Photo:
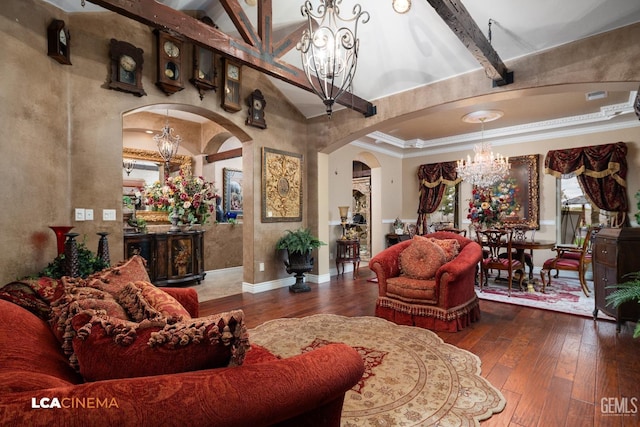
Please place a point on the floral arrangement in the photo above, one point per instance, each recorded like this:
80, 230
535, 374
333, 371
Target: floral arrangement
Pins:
488, 205
192, 198
156, 195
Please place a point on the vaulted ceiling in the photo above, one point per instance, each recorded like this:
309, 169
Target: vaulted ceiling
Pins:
399, 52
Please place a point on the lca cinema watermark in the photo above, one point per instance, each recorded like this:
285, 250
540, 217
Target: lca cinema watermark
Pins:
73, 403
619, 406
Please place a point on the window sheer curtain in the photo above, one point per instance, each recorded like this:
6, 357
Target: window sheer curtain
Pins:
601, 171
434, 179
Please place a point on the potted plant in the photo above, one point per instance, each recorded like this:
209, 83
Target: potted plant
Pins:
398, 226
627, 292
299, 245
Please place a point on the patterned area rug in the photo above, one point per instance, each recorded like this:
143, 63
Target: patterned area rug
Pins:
563, 295
412, 378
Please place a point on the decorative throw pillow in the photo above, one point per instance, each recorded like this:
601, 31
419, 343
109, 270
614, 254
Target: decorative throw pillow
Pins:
421, 259
114, 279
142, 300
36, 295
451, 247
108, 348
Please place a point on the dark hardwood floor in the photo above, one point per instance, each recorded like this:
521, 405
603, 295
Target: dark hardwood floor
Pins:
553, 369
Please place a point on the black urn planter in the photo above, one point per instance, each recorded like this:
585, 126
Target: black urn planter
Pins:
299, 263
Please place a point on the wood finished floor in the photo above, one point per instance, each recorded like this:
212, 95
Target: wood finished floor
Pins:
553, 369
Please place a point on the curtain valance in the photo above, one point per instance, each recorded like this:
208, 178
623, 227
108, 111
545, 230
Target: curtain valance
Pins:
601, 171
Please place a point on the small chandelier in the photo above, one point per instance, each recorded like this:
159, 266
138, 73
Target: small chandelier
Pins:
168, 144
128, 165
486, 169
329, 49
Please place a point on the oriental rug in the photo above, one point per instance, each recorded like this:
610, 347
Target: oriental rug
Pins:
564, 295
412, 378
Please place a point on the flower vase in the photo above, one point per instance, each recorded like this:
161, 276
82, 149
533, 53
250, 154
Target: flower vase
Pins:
174, 218
60, 236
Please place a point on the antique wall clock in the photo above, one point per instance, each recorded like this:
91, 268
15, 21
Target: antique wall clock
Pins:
126, 67
204, 68
59, 42
256, 110
231, 84
170, 78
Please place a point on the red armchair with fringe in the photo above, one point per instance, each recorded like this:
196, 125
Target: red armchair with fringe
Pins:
446, 301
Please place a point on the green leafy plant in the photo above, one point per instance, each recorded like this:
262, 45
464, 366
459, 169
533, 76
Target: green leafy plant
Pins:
300, 241
88, 263
628, 291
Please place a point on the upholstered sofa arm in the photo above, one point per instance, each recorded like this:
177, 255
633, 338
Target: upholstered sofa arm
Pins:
188, 297
303, 390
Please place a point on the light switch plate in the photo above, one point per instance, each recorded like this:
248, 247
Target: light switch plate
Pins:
88, 214
79, 214
108, 214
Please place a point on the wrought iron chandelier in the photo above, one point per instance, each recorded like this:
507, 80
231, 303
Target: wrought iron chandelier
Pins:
329, 49
128, 165
486, 169
168, 144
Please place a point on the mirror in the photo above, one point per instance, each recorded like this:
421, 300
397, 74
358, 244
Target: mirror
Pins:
158, 174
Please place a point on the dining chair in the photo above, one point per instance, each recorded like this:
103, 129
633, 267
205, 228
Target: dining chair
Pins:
571, 258
455, 230
499, 255
522, 232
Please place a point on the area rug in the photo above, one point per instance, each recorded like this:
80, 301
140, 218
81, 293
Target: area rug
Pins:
564, 295
412, 378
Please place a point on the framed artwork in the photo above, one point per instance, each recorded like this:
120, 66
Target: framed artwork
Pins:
281, 186
525, 178
232, 194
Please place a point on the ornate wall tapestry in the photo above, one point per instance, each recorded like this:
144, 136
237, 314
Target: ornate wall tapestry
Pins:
232, 180
281, 186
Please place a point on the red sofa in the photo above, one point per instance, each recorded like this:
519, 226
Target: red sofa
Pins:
35, 377
447, 302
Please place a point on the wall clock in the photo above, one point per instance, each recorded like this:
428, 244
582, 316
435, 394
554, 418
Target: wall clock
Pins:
59, 42
231, 84
126, 67
170, 53
256, 110
204, 68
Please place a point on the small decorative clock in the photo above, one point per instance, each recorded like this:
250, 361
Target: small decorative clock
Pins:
231, 83
256, 104
59, 42
126, 67
204, 68
170, 77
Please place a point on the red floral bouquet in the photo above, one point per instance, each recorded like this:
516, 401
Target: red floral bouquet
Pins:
191, 197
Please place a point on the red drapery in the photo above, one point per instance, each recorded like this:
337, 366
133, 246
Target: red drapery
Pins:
434, 179
601, 171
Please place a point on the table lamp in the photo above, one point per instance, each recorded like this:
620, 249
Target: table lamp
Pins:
344, 212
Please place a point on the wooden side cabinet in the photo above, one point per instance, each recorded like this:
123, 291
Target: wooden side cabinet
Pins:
614, 255
172, 258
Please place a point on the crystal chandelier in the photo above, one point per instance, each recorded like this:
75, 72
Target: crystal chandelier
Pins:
329, 49
486, 169
128, 165
168, 144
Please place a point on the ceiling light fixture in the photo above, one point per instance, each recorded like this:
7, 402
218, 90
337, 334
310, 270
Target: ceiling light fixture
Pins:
401, 6
128, 165
329, 49
168, 144
486, 169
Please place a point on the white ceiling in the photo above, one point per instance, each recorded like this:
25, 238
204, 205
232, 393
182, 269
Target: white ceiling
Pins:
399, 52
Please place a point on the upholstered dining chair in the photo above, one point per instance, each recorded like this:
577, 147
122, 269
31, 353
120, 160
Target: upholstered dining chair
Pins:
522, 232
455, 230
499, 255
571, 258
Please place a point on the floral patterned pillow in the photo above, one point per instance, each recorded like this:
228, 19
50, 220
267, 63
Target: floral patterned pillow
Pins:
421, 259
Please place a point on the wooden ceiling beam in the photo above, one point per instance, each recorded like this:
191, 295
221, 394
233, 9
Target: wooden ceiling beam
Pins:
224, 155
456, 16
249, 51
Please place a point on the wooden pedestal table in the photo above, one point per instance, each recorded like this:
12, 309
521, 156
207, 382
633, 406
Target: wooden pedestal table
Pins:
348, 251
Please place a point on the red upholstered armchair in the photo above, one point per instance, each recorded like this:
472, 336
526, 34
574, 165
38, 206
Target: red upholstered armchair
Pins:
445, 302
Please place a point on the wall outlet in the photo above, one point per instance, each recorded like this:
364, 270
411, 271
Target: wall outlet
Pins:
108, 214
261, 266
79, 214
88, 214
